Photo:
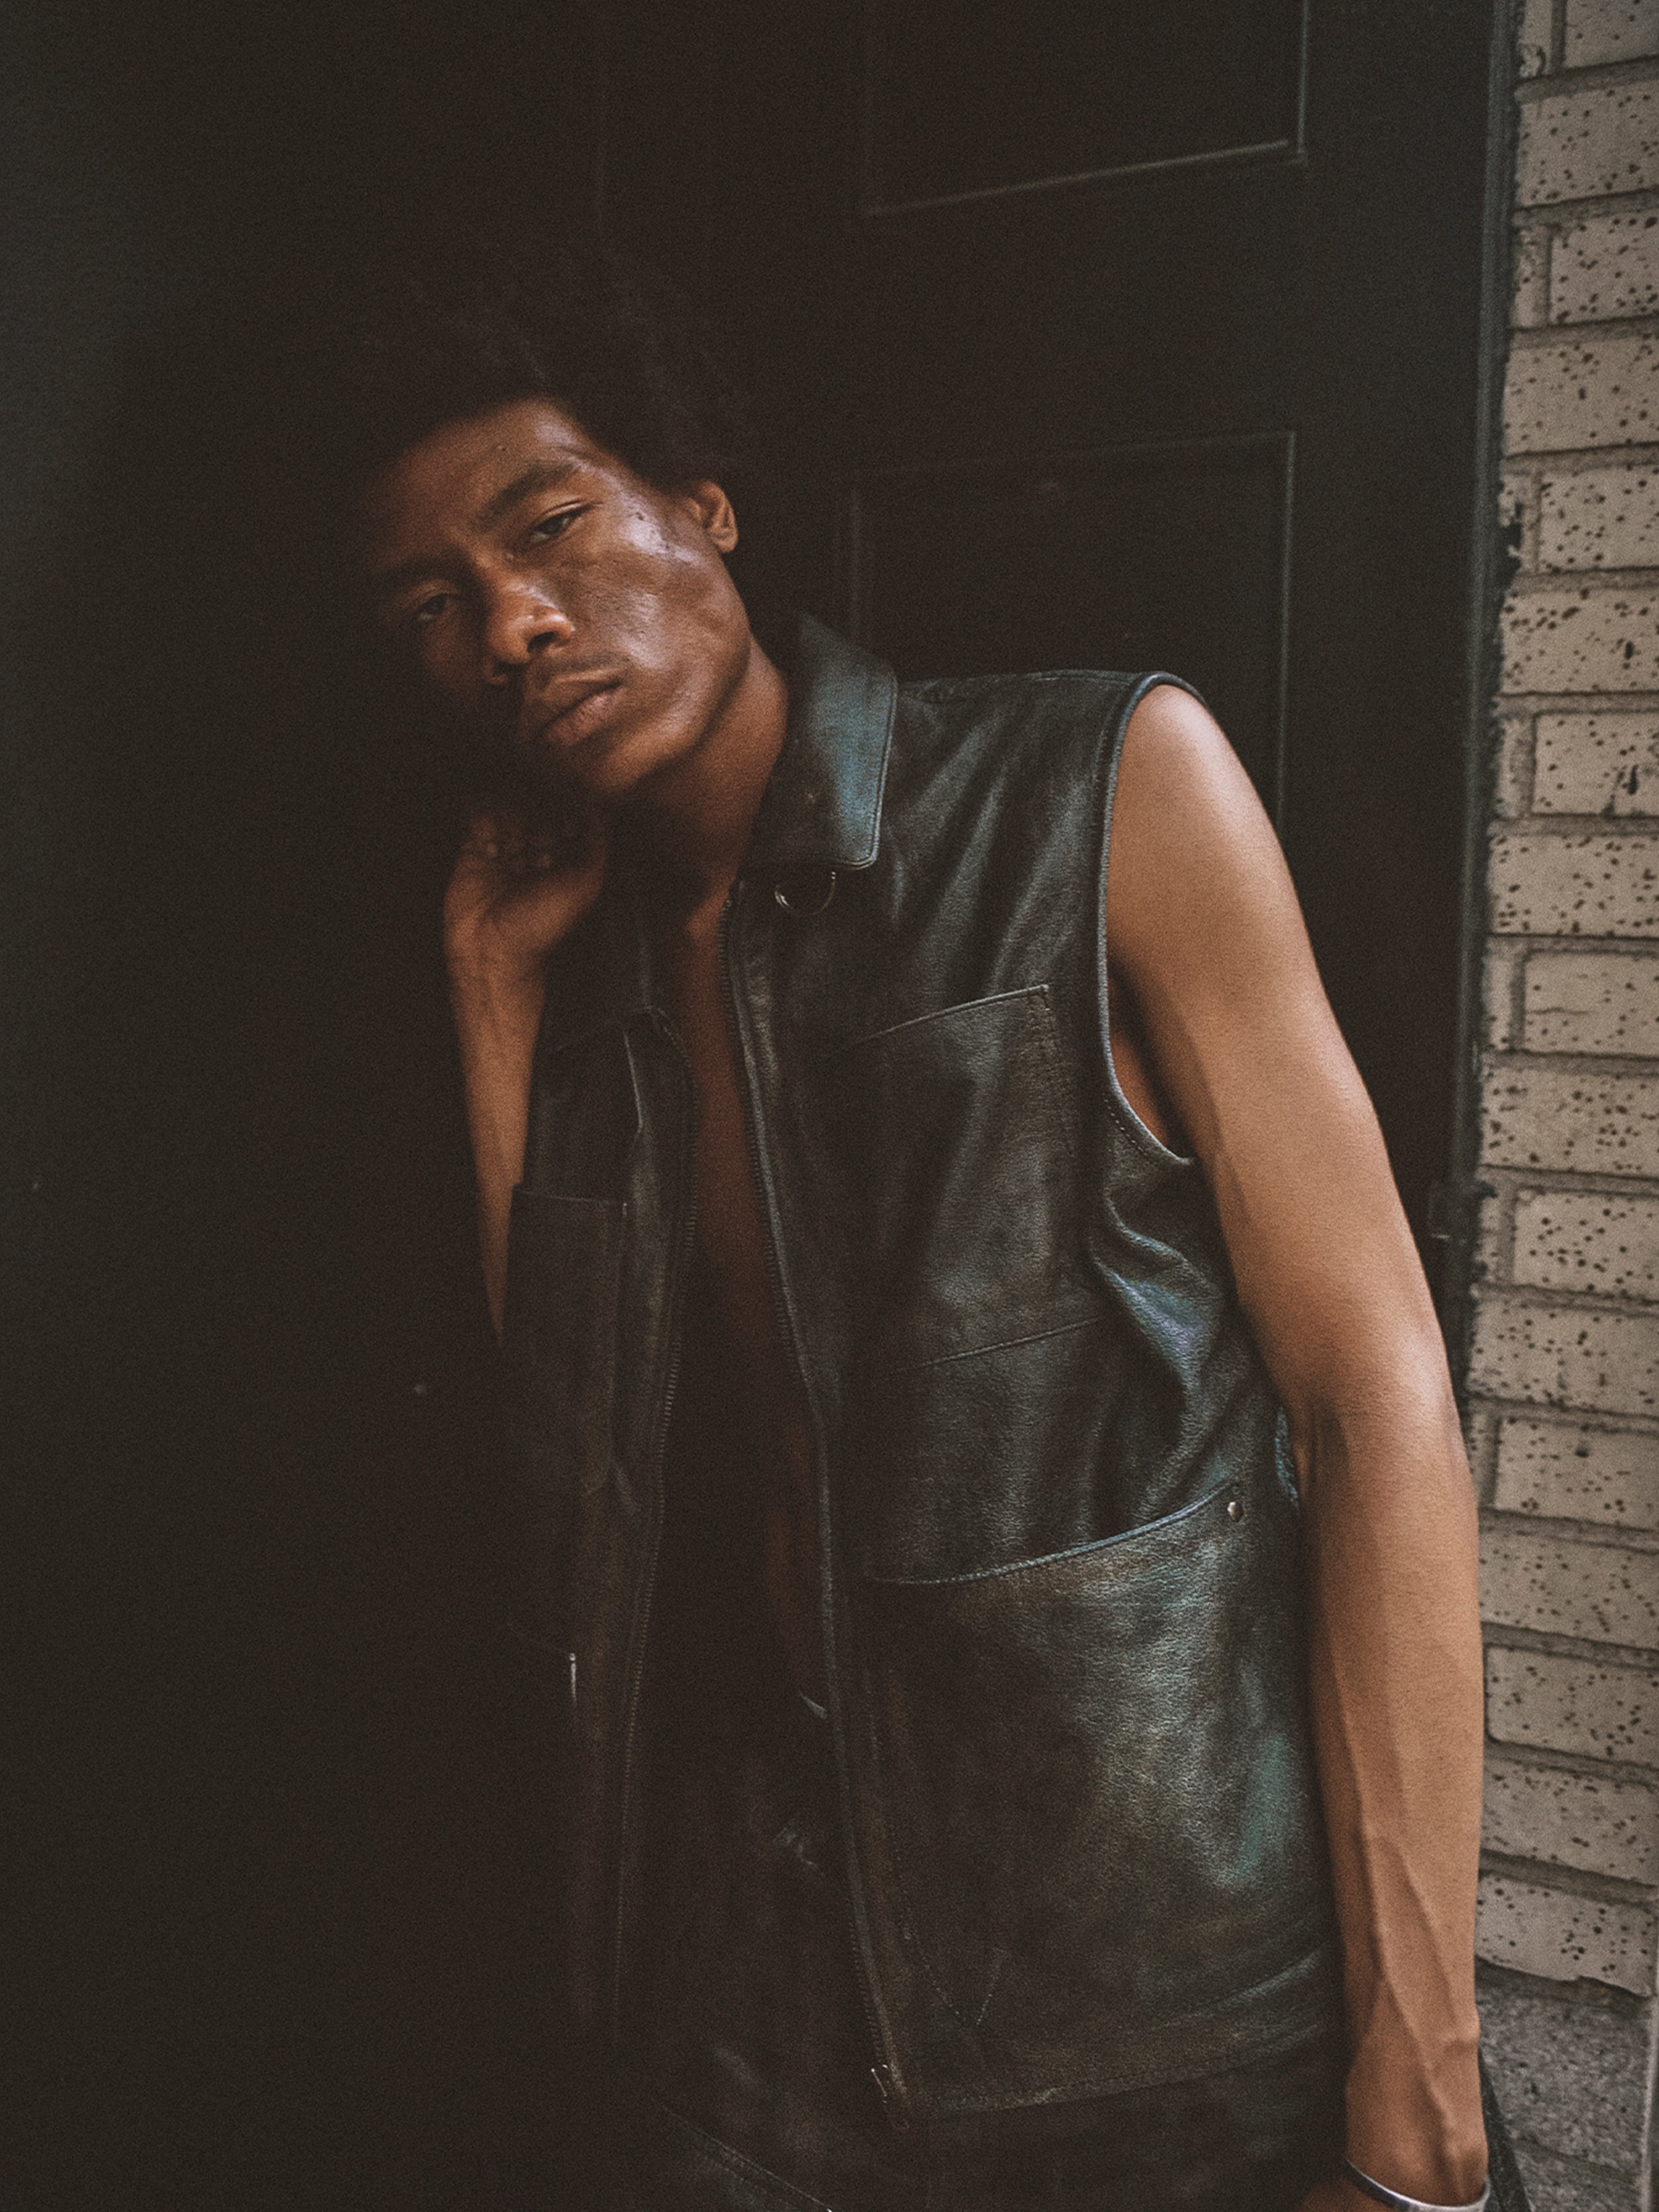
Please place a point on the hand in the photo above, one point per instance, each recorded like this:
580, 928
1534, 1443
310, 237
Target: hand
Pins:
520, 885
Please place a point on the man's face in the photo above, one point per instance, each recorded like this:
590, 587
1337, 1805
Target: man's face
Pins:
577, 616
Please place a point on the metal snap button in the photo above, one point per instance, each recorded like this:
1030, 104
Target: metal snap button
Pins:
1235, 1510
806, 894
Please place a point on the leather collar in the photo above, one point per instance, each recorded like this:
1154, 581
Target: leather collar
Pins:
823, 806
821, 810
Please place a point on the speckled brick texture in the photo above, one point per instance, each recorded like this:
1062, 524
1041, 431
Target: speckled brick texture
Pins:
1599, 31
1581, 392
1573, 883
1564, 1936
1600, 518
1596, 1709
1605, 763
1584, 143
1587, 637
1596, 1823
1539, 1114
1605, 269
1596, 1592
1595, 1241
1563, 1376
1530, 277
1549, 1355
1589, 1002
1563, 1471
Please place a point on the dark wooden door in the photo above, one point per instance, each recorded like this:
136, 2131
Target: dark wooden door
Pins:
1100, 335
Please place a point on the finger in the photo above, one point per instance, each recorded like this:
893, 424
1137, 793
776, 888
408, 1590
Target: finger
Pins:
496, 832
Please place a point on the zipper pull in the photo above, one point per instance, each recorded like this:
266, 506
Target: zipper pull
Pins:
887, 2089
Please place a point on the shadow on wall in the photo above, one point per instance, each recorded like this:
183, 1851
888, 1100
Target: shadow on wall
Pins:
272, 1924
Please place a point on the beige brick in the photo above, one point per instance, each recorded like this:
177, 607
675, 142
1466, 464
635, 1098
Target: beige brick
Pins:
1542, 1115
1576, 145
1569, 1240
1534, 1930
1573, 1474
1593, 639
1503, 961
1600, 1592
1591, 1002
1514, 503
1535, 38
1549, 1355
1589, 1821
1529, 299
1491, 1243
1604, 764
1584, 883
1610, 30
1606, 268
1600, 519
1552, 1704
1582, 392
1512, 766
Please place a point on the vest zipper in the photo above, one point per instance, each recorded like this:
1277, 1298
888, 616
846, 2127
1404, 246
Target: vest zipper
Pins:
648, 1587
883, 2072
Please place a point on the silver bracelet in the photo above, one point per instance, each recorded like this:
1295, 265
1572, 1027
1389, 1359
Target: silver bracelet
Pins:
1392, 2197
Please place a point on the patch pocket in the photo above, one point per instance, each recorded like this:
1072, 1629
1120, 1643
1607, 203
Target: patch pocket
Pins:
559, 1337
1077, 1750
956, 1170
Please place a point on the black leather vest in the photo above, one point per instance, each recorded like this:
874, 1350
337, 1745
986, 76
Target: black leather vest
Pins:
1060, 1561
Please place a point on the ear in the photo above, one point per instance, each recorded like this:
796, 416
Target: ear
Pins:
712, 510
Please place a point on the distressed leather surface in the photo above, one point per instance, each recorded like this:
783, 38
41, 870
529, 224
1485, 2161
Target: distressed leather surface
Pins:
1083, 1842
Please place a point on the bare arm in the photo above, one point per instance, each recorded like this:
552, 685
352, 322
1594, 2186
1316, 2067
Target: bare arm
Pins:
1203, 931
512, 897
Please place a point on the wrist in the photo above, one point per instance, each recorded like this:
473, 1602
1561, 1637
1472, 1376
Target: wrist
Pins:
495, 996
1417, 2127
1361, 2187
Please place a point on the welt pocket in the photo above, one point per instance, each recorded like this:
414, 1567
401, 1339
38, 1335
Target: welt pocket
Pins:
1130, 1551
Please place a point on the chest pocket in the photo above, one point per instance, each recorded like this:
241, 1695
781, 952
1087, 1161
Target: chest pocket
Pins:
957, 1152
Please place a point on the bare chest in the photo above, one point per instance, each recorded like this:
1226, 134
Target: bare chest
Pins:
732, 1235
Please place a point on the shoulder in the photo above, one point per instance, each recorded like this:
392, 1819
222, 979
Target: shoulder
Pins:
1054, 717
1199, 888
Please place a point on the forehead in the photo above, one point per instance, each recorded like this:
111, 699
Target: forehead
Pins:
457, 480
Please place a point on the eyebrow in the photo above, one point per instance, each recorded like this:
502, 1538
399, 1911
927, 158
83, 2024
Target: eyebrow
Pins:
540, 475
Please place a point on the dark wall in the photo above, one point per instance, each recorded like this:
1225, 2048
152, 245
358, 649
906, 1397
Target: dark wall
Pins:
271, 1931
284, 1831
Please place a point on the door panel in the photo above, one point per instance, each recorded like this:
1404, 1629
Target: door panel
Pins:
961, 97
1037, 304
974, 569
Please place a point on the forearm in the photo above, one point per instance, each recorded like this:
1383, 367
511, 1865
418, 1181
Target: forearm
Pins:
1395, 1676
496, 1025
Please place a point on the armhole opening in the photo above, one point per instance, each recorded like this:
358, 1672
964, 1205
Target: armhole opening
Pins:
1148, 1139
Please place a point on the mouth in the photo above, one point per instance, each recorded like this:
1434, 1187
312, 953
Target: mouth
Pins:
574, 711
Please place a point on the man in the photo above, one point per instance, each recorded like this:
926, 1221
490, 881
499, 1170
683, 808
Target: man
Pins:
938, 1169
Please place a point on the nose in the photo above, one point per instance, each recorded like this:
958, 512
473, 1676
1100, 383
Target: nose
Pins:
521, 620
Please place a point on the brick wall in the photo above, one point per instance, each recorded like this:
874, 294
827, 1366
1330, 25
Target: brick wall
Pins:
1564, 1368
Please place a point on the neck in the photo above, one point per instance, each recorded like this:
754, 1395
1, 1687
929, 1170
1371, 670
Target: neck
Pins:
696, 817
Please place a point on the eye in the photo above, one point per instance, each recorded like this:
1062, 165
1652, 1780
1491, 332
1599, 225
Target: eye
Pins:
552, 525
423, 616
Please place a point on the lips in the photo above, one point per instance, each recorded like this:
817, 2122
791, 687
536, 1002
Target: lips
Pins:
572, 709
